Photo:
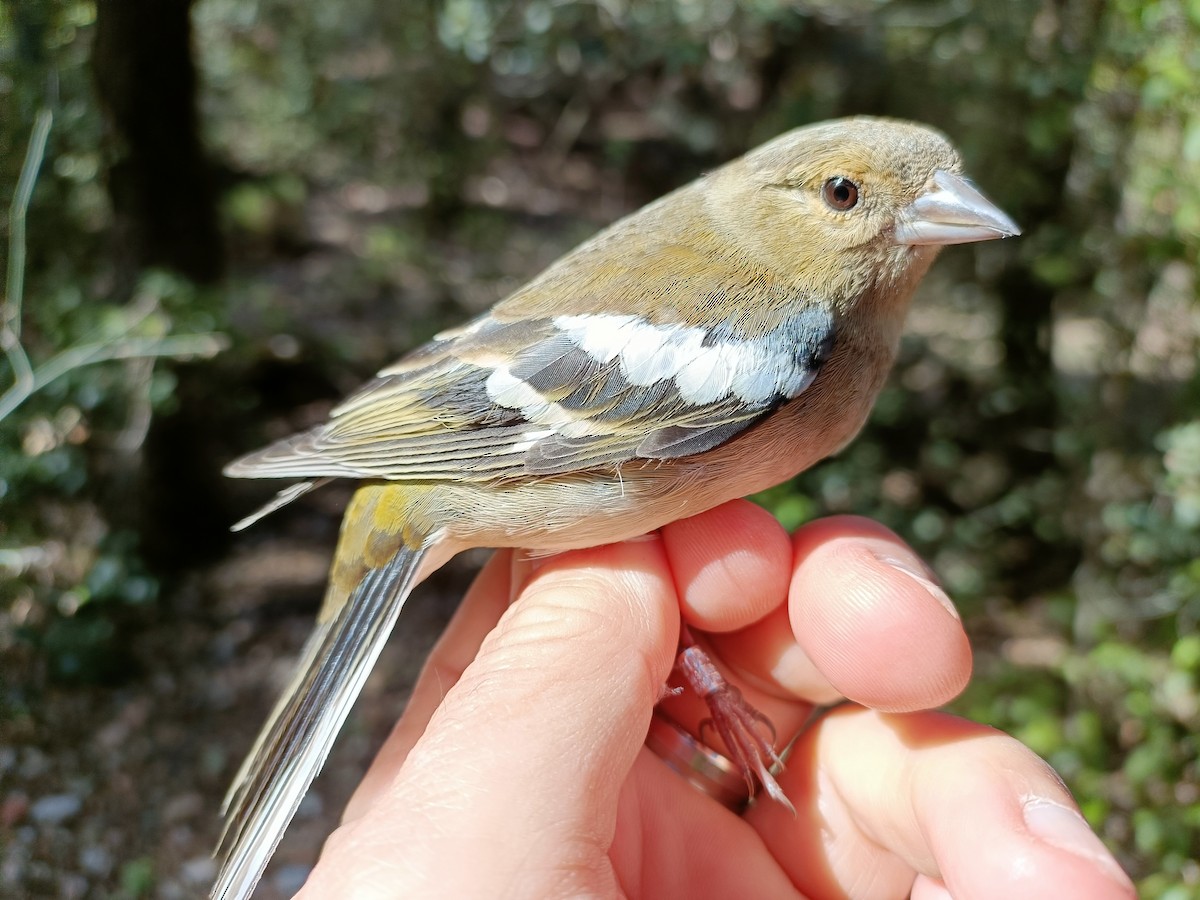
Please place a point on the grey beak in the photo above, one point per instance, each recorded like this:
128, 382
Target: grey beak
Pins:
952, 211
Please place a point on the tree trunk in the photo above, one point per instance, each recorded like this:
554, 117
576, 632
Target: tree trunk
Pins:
159, 179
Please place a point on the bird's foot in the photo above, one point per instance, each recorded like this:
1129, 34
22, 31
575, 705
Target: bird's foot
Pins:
748, 735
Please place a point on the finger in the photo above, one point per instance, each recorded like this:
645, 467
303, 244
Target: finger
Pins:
960, 804
676, 842
872, 620
731, 565
767, 652
539, 732
480, 610
768, 656
864, 619
862, 605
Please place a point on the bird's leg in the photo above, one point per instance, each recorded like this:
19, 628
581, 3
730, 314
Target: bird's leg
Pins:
748, 735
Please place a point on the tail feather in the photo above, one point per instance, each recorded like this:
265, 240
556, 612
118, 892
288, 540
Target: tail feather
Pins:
297, 738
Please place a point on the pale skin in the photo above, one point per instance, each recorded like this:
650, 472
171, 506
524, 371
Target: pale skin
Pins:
518, 769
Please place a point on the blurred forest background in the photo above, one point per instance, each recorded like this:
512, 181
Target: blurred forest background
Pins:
204, 250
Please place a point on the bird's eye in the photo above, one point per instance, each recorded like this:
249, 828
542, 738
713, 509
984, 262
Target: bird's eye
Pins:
840, 193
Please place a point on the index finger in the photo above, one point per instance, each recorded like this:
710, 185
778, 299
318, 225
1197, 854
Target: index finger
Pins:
863, 619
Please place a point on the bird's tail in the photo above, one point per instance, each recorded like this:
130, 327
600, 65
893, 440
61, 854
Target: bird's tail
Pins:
297, 738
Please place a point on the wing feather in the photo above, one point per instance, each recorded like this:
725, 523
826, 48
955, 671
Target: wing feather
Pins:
554, 395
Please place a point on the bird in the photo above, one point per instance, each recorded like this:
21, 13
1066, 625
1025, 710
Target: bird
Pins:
713, 344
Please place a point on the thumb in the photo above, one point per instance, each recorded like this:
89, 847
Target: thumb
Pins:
524, 759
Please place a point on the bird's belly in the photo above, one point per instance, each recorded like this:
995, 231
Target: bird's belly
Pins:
588, 509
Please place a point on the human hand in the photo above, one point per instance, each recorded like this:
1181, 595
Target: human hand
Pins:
519, 767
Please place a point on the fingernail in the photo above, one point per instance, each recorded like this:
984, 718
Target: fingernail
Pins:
1068, 830
921, 575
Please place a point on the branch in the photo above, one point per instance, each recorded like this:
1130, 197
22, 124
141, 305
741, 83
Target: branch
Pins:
26, 379
175, 346
10, 328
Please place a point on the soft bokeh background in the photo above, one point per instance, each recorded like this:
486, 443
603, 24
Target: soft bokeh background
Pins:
211, 256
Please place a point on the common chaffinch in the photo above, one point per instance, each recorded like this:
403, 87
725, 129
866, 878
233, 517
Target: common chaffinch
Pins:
711, 345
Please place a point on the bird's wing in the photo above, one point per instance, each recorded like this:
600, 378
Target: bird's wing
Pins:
555, 394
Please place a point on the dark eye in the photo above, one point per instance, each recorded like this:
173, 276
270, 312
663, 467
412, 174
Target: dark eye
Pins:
840, 193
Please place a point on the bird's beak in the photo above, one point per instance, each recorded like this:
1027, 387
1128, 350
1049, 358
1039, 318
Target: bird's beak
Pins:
952, 211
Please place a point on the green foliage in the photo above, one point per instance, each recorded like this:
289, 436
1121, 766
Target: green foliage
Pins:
392, 168
137, 877
77, 380
1119, 723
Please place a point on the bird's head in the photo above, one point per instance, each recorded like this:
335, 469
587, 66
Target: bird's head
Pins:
843, 207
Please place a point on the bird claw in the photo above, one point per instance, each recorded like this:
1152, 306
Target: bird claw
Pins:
667, 692
748, 735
